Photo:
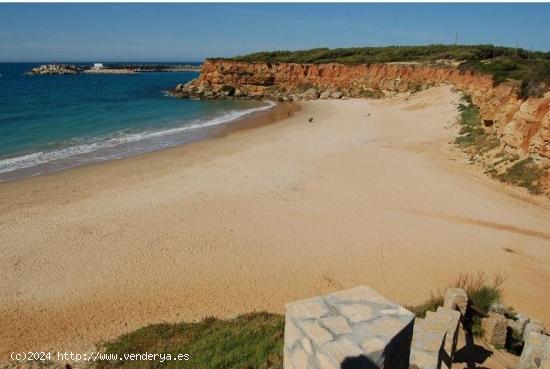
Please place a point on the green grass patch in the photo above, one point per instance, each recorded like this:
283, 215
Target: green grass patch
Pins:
471, 134
431, 304
252, 341
524, 173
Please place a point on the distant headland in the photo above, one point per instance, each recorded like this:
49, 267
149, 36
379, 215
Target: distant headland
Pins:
119, 68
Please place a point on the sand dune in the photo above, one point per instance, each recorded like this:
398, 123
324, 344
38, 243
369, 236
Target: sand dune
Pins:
262, 217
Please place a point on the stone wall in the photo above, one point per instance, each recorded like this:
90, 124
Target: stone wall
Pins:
358, 328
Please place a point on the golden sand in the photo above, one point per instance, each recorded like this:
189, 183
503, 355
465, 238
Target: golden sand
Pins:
261, 217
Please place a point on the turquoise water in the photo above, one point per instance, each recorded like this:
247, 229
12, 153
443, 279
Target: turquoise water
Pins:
50, 123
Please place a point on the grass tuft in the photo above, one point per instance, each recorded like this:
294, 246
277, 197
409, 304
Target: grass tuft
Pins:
481, 294
431, 304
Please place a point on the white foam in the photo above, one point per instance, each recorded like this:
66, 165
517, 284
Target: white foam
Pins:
37, 158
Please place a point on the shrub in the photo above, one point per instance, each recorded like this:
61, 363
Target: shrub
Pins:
481, 295
360, 55
524, 173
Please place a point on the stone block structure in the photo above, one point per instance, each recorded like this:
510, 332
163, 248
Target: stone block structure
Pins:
434, 339
518, 325
456, 299
536, 352
427, 344
495, 329
451, 321
355, 328
533, 326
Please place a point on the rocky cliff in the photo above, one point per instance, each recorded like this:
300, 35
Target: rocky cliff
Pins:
523, 125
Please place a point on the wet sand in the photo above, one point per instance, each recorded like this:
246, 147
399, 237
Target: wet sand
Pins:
260, 217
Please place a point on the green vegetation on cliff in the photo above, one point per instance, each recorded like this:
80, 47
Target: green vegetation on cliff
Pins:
525, 173
386, 54
477, 141
532, 68
472, 136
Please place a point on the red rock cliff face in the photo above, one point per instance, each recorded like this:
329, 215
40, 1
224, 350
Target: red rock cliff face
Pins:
523, 125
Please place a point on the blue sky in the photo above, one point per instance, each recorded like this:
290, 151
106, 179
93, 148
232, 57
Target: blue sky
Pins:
191, 32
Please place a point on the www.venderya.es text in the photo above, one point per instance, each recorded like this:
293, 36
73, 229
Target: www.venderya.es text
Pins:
96, 356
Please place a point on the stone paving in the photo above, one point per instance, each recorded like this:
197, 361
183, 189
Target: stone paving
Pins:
355, 328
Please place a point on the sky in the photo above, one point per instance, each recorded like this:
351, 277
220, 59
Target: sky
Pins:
191, 32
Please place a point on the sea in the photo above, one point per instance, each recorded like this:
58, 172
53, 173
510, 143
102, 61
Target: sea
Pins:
52, 123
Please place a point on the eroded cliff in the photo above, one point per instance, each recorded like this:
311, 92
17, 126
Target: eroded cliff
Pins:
522, 125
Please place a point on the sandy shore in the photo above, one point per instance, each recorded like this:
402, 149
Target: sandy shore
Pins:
261, 217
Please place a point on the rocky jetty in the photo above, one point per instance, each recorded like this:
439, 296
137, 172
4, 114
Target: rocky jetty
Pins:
58, 69
55, 69
110, 71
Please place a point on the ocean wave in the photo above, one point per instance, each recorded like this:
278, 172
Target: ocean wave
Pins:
43, 157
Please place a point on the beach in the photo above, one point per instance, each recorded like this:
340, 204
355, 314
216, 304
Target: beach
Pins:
369, 193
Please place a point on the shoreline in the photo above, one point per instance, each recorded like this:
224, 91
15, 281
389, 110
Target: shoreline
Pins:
254, 218
278, 111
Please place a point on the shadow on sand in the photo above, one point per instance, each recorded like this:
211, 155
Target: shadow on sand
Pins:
358, 362
471, 354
